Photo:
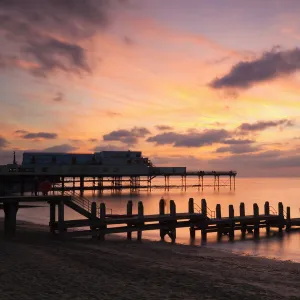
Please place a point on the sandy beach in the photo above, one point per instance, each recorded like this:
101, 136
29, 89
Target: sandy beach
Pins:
34, 265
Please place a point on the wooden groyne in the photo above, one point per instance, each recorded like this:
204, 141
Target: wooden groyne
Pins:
98, 222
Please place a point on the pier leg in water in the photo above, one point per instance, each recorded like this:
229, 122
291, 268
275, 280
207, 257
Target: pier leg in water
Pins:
61, 217
267, 213
191, 211
140, 215
204, 225
281, 215
231, 216
162, 213
129, 214
52, 217
172, 230
102, 217
10, 219
94, 218
219, 216
256, 215
288, 219
242, 214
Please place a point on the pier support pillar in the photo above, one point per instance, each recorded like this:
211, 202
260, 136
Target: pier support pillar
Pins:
172, 229
231, 216
191, 211
102, 218
61, 216
52, 217
63, 183
267, 213
204, 225
242, 214
141, 216
162, 213
219, 216
288, 219
129, 214
256, 215
281, 216
22, 185
10, 218
81, 184
94, 218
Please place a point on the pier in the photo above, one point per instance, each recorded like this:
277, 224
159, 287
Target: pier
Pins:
100, 222
88, 179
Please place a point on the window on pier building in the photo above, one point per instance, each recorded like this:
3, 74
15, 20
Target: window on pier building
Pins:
53, 159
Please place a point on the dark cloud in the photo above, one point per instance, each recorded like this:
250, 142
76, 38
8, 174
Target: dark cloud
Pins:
237, 142
3, 142
49, 32
59, 97
36, 135
52, 54
21, 132
129, 137
262, 125
192, 138
270, 65
61, 148
238, 148
164, 127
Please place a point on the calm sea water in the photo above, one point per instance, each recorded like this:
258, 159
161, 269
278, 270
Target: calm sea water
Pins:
248, 190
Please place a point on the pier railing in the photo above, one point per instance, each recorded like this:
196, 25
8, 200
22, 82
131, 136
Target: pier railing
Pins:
273, 211
210, 213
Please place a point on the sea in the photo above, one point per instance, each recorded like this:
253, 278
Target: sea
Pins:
284, 246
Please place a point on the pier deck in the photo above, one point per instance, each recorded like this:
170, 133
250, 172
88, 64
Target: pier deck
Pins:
87, 180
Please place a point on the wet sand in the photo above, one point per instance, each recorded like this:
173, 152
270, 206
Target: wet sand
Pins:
34, 265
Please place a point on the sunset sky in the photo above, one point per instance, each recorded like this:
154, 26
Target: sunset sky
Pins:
207, 84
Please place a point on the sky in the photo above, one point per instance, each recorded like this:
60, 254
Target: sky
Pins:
210, 85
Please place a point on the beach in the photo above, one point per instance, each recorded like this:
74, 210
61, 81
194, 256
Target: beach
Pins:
36, 265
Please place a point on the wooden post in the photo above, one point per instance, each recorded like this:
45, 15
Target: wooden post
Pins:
204, 212
129, 214
52, 217
191, 206
231, 217
94, 218
281, 216
172, 230
256, 215
192, 211
242, 214
219, 216
162, 213
204, 207
63, 183
22, 185
102, 218
140, 215
288, 219
81, 184
267, 213
61, 216
10, 219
